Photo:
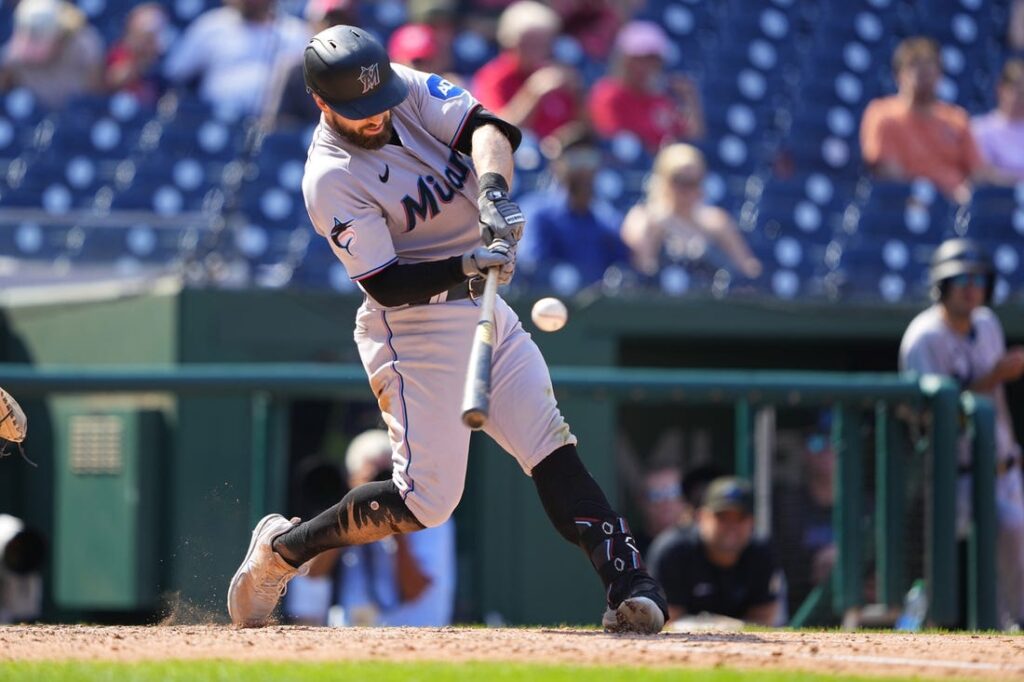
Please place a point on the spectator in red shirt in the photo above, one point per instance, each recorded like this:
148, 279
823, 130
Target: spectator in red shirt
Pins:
522, 85
638, 98
133, 62
416, 46
594, 23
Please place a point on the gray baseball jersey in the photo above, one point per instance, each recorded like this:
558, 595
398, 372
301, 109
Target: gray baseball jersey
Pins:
405, 204
413, 203
930, 346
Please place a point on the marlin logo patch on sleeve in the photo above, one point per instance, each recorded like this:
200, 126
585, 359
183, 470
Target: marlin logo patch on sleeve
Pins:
442, 89
343, 235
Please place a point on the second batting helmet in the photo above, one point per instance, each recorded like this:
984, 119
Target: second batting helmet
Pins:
959, 257
351, 72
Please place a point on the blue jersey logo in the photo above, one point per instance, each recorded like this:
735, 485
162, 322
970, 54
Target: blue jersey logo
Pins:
441, 89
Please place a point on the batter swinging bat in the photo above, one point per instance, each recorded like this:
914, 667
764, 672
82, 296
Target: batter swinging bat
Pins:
476, 397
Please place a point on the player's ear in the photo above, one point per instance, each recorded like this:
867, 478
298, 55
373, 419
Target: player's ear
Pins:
320, 103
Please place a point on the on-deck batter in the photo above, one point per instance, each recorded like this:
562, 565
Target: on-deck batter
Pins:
407, 177
961, 337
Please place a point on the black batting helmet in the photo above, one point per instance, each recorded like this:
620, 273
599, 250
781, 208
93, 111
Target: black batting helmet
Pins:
959, 257
350, 70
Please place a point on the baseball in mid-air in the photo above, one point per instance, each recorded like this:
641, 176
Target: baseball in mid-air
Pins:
549, 314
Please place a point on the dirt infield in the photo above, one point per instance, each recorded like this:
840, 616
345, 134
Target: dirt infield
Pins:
962, 656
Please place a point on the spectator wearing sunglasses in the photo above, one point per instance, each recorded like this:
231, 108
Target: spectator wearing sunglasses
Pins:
673, 223
960, 337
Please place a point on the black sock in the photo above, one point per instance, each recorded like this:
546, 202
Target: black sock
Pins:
367, 513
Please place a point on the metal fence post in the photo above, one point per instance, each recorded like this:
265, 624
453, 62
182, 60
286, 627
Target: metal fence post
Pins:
259, 427
981, 566
941, 515
744, 450
847, 517
890, 511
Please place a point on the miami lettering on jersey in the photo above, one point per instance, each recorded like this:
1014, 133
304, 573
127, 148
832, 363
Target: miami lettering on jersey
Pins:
430, 190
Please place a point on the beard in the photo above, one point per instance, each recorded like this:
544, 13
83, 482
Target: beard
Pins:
369, 142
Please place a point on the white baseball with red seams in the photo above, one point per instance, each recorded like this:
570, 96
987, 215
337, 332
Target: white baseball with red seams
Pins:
549, 314
407, 204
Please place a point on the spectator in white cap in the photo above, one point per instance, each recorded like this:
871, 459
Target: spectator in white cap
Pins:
403, 580
638, 97
54, 53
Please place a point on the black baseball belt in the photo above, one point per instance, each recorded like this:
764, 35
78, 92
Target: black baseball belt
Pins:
462, 290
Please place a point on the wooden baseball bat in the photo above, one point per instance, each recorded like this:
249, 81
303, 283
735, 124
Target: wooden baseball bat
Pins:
476, 396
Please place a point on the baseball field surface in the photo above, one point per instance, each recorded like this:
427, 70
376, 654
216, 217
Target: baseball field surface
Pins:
215, 652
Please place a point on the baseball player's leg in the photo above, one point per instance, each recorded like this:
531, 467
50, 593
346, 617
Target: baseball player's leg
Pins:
525, 420
415, 359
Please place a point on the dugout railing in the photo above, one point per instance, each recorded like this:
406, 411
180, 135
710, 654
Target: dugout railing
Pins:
945, 415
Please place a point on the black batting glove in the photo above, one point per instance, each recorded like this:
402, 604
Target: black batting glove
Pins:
500, 217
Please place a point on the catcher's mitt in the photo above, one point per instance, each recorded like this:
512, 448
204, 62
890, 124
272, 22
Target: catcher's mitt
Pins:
13, 425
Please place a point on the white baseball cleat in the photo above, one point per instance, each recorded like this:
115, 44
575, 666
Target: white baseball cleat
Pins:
639, 615
262, 579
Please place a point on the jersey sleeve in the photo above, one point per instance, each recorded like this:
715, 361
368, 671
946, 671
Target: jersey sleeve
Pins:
444, 108
355, 228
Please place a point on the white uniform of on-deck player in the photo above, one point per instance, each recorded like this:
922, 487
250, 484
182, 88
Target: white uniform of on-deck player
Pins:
411, 203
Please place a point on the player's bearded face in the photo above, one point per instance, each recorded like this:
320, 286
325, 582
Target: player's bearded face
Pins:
369, 133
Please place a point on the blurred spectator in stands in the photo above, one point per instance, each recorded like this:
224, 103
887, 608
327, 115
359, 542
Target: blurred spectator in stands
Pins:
802, 520
913, 134
53, 52
639, 97
22, 555
663, 503
416, 46
717, 567
233, 50
569, 226
310, 597
960, 337
1000, 133
594, 23
288, 105
1015, 32
522, 84
673, 224
133, 63
401, 580
442, 16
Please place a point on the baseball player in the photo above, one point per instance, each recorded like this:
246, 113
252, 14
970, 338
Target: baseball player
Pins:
961, 337
406, 173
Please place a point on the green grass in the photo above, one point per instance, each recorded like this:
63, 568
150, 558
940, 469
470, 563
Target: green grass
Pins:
229, 671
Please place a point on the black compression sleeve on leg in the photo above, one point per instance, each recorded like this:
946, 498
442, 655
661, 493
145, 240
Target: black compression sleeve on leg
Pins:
580, 511
567, 491
367, 513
